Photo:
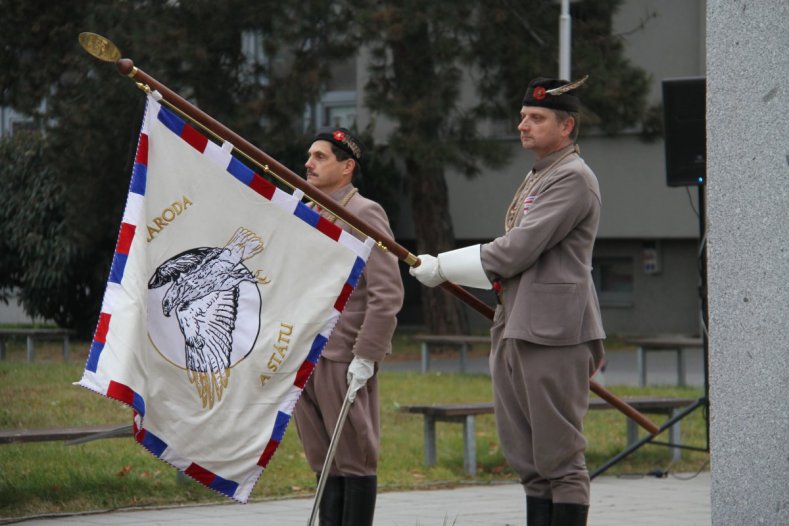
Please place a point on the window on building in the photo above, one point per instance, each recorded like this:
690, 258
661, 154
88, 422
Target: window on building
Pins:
613, 279
338, 104
12, 122
335, 108
341, 116
256, 62
23, 126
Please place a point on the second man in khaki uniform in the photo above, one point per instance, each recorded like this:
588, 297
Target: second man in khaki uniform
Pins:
360, 341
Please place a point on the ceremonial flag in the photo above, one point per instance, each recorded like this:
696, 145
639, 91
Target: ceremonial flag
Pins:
222, 294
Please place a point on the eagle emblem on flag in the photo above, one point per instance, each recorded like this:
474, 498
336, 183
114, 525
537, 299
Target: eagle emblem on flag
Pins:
203, 295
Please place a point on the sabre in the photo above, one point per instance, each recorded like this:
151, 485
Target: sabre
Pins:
103, 49
346, 404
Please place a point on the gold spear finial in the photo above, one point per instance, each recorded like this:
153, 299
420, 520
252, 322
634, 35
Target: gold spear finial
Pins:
100, 47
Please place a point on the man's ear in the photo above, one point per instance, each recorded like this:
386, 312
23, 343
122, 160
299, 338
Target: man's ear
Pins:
568, 126
350, 164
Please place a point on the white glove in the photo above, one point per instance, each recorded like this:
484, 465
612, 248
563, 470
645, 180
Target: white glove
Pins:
359, 371
462, 266
428, 271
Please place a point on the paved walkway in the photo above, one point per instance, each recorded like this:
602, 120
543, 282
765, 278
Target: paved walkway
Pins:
681, 500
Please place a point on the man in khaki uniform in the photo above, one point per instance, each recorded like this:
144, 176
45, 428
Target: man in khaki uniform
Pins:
361, 339
547, 332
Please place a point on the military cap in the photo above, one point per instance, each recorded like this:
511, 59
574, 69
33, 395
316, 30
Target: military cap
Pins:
343, 139
554, 94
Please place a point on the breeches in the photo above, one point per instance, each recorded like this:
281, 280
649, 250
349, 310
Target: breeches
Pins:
541, 395
316, 415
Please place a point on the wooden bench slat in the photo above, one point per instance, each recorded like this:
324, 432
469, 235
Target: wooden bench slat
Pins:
657, 342
12, 436
36, 334
644, 403
639, 403
464, 341
450, 338
450, 409
672, 343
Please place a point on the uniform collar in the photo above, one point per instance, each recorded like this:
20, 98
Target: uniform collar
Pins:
551, 158
339, 194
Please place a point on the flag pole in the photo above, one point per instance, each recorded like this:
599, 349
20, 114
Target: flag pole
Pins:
103, 49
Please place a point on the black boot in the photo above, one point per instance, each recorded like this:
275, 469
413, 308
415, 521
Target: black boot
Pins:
331, 506
538, 511
565, 514
359, 506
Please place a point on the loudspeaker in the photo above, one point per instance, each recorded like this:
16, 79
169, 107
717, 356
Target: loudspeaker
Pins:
684, 115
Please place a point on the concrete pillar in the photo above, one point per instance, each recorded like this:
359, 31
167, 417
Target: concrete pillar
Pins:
748, 259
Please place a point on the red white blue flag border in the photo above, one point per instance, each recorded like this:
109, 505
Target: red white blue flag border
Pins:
132, 219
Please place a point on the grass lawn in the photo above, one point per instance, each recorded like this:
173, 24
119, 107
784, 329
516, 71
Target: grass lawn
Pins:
51, 477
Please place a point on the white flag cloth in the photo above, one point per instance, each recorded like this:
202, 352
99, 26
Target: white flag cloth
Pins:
222, 294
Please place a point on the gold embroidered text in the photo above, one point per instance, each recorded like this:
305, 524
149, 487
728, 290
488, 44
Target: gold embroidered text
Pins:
280, 347
167, 216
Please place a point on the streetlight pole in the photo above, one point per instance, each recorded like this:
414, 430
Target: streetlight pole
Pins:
564, 41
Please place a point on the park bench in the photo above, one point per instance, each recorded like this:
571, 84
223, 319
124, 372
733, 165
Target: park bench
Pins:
35, 334
464, 342
466, 413
75, 435
671, 343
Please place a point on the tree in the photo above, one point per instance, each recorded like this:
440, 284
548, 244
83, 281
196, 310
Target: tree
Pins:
35, 254
422, 52
90, 117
